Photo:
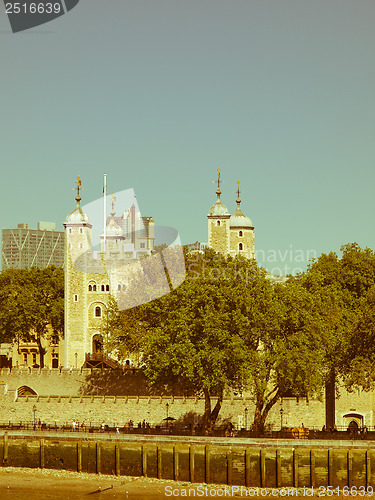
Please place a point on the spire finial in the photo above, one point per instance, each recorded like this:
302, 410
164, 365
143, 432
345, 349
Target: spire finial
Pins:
113, 204
78, 188
238, 201
219, 181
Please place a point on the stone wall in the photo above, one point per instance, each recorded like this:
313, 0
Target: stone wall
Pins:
114, 396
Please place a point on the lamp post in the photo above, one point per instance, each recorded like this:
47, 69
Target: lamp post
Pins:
34, 410
167, 408
246, 410
281, 417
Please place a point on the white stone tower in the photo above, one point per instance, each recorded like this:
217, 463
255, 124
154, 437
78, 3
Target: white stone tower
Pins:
241, 232
218, 224
86, 292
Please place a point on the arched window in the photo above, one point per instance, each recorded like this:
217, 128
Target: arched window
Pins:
103, 288
94, 288
24, 390
80, 230
107, 288
240, 246
218, 223
90, 288
70, 230
240, 233
119, 287
98, 312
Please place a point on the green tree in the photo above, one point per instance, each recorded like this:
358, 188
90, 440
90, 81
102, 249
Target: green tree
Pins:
32, 305
288, 358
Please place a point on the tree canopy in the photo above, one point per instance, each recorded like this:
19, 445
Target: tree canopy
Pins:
31, 305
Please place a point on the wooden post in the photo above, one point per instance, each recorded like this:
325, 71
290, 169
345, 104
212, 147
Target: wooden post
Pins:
176, 464
247, 468
330, 467
42, 453
262, 468
368, 468
158, 453
295, 467
144, 460
229, 467
98, 459
117, 459
191, 464
350, 468
79, 456
278, 469
207, 464
5, 459
312, 468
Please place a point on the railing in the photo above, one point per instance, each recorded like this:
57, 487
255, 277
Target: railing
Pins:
97, 357
187, 430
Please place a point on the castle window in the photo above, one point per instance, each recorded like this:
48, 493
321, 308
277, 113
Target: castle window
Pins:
94, 288
240, 246
142, 245
90, 288
76, 297
107, 288
103, 288
70, 230
240, 233
119, 287
218, 223
80, 230
81, 245
98, 312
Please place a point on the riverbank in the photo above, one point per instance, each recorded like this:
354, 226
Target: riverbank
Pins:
46, 484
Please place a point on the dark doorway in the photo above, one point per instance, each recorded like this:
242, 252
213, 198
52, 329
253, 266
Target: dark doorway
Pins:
353, 427
97, 344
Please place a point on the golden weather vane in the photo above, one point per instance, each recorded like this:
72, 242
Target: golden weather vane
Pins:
78, 187
219, 181
238, 190
113, 202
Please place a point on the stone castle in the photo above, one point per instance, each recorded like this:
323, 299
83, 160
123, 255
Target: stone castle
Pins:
230, 235
90, 280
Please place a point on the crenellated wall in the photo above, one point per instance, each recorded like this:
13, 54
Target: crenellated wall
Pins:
116, 397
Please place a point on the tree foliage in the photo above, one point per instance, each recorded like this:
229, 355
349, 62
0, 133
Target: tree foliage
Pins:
228, 327
31, 305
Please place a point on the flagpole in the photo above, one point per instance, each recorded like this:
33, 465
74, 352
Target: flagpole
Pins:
104, 209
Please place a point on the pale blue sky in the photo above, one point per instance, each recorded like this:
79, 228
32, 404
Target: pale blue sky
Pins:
160, 93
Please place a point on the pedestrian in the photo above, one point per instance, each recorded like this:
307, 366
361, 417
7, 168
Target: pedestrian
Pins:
39, 424
117, 429
74, 425
83, 426
103, 426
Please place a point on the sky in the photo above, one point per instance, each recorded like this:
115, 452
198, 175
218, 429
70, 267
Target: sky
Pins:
158, 94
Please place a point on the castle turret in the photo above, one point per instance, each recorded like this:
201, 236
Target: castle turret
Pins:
241, 232
218, 223
77, 245
115, 238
